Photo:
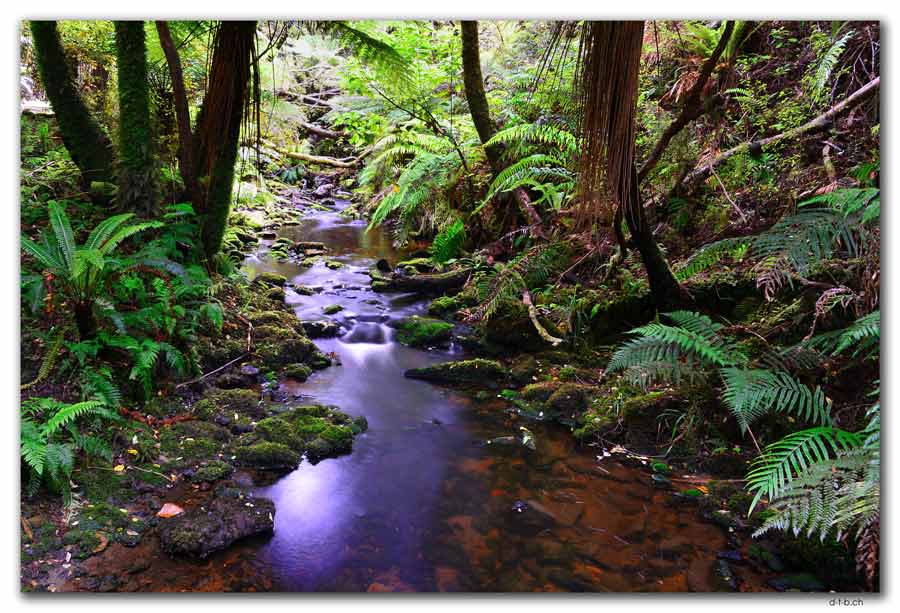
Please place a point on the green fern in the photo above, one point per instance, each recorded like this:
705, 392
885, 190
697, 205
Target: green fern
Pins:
827, 64
751, 393
449, 241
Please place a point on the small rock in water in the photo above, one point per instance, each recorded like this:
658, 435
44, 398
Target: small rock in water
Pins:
331, 309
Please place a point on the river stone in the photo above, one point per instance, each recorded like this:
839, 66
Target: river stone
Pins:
366, 332
321, 328
216, 525
477, 371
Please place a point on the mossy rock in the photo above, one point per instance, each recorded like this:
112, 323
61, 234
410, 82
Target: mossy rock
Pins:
99, 482
86, 541
318, 361
271, 279
278, 346
228, 402
444, 306
267, 456
279, 430
177, 442
540, 391
418, 331
331, 309
298, 372
568, 399
212, 471
477, 371
276, 294
277, 318
524, 369
333, 264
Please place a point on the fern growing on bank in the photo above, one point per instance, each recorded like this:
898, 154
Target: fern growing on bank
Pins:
50, 440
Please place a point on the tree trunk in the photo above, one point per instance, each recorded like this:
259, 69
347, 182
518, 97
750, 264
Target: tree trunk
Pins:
667, 293
182, 111
137, 172
85, 320
217, 136
481, 115
86, 142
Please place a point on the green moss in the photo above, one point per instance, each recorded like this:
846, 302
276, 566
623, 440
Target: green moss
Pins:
420, 331
567, 373
298, 372
278, 430
477, 371
99, 482
228, 402
267, 456
333, 264
85, 540
275, 294
331, 309
271, 279
308, 427
539, 392
444, 306
212, 471
192, 441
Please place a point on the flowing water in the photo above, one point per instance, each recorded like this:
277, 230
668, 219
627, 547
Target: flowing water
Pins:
422, 503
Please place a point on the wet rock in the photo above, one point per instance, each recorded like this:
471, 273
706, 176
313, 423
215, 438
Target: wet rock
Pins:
530, 517
267, 456
418, 331
803, 582
267, 234
331, 309
230, 380
321, 328
366, 332
444, 306
271, 279
333, 264
478, 371
249, 370
524, 369
297, 372
324, 190
228, 402
723, 577
568, 399
216, 525
212, 471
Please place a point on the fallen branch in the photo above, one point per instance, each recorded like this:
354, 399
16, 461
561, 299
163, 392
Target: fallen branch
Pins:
320, 131
318, 159
818, 124
533, 315
212, 372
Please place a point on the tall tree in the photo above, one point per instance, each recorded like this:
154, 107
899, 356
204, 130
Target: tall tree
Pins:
230, 98
481, 114
138, 190
610, 61
86, 142
182, 111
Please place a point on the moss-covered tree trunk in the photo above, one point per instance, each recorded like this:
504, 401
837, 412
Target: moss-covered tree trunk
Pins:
86, 142
138, 190
218, 130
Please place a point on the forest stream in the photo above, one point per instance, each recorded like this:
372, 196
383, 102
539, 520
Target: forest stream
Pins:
425, 502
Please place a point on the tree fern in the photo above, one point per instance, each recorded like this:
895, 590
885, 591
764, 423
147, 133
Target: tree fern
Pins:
545, 134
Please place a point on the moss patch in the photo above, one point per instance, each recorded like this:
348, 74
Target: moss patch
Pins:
267, 456
421, 331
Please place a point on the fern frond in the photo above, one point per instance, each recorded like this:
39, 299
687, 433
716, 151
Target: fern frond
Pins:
751, 393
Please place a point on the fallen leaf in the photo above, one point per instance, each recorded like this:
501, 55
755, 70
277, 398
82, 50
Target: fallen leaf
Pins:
133, 451
119, 468
169, 510
103, 542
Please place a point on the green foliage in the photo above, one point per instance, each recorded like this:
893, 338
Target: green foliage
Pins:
751, 393
449, 242
504, 283
827, 64
50, 440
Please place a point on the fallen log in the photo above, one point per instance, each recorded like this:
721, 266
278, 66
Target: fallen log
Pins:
425, 283
320, 131
318, 159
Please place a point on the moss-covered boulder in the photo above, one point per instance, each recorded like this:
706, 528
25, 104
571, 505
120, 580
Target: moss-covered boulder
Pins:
216, 525
423, 331
270, 279
226, 403
276, 346
444, 306
212, 471
569, 399
267, 456
321, 328
332, 309
191, 441
297, 372
314, 430
478, 371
